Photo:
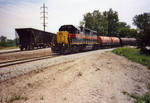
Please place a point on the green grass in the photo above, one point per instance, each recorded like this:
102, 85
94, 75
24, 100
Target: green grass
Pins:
16, 97
134, 54
140, 99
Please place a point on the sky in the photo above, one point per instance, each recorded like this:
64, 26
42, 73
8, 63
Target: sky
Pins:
26, 13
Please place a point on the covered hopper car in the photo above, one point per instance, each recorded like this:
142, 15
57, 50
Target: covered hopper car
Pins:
29, 38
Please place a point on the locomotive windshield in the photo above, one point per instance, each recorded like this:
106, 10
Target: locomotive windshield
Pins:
70, 28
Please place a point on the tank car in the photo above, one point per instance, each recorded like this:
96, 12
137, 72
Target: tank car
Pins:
133, 41
115, 41
105, 41
128, 41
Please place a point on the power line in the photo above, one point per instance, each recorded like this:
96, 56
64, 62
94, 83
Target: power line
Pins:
44, 16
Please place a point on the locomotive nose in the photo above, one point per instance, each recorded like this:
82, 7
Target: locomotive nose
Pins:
62, 37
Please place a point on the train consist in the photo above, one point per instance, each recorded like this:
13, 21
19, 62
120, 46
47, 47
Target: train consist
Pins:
29, 38
72, 39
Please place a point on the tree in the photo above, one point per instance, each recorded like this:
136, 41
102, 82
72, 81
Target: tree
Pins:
3, 38
142, 22
95, 21
113, 22
4, 42
11, 42
123, 25
106, 23
127, 32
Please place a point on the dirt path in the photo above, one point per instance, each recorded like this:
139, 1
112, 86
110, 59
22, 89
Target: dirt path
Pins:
97, 78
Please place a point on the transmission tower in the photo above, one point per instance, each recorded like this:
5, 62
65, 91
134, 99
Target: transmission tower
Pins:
44, 8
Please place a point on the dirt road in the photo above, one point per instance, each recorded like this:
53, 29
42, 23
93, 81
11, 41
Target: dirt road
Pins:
97, 78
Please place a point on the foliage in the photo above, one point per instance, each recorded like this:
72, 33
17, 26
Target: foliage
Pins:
142, 22
113, 22
94, 21
4, 42
107, 23
3, 38
134, 55
17, 97
140, 99
123, 25
11, 42
127, 32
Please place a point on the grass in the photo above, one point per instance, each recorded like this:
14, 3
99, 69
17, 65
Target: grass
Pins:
134, 54
140, 99
16, 97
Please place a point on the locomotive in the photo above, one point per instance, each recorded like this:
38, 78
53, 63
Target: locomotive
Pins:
72, 39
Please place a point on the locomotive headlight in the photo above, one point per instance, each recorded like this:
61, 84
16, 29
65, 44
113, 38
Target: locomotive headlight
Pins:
63, 44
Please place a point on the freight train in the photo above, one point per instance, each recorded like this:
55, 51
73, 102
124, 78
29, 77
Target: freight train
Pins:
29, 38
72, 39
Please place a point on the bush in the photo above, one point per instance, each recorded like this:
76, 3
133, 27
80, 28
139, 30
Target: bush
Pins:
3, 44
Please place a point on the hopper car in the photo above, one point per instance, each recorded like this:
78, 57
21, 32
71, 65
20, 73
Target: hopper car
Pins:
29, 38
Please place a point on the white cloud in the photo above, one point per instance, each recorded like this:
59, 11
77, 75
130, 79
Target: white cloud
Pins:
27, 14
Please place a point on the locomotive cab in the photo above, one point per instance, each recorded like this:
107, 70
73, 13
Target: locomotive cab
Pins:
65, 32
64, 39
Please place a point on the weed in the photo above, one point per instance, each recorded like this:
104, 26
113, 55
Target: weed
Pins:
133, 55
125, 93
140, 99
148, 86
17, 97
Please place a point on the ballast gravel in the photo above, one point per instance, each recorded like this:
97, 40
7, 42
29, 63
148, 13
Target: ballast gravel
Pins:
16, 70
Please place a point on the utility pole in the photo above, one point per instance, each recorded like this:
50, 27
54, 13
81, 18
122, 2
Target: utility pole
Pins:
44, 15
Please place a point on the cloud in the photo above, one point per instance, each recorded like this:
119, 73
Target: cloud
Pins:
16, 16
26, 13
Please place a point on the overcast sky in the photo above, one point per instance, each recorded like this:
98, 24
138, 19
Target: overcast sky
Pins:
26, 13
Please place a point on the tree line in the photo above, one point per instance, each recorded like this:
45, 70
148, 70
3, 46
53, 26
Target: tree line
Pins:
107, 23
4, 42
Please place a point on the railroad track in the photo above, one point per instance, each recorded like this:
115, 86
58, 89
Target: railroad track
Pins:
7, 52
20, 61
15, 51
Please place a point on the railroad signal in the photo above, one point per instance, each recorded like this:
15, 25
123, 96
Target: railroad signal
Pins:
44, 8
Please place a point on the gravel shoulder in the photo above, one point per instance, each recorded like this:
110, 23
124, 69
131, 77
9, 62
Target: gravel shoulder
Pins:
23, 54
91, 77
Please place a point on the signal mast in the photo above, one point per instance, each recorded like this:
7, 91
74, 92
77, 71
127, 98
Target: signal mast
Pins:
44, 8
